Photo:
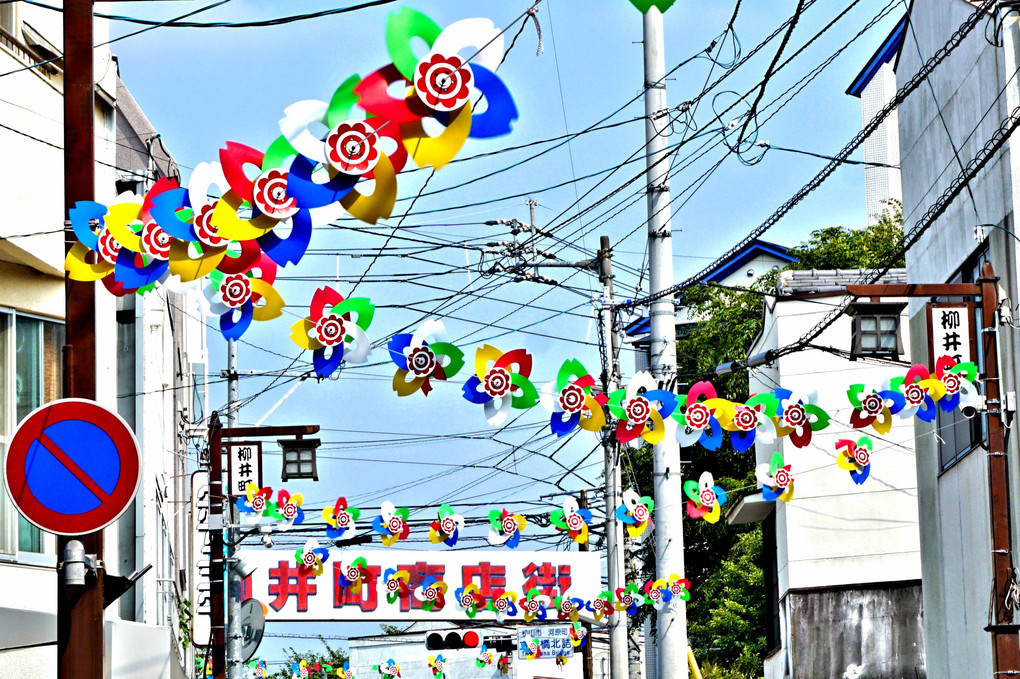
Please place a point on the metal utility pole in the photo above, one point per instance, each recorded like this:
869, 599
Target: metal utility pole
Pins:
668, 481
618, 650
235, 667
588, 669
79, 608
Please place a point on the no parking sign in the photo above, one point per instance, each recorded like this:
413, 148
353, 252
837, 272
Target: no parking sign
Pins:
72, 467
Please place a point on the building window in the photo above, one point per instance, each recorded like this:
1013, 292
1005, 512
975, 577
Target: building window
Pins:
30, 375
9, 18
876, 330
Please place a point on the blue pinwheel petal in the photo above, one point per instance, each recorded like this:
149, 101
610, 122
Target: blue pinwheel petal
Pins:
667, 398
164, 212
950, 403
81, 214
471, 392
929, 411
299, 518
396, 346
291, 249
231, 329
585, 514
781, 395
542, 613
335, 533
307, 193
131, 276
861, 476
714, 440
720, 495
768, 494
379, 526
514, 540
242, 506
325, 366
500, 110
452, 540
511, 608
742, 440
667, 595
899, 401
622, 515
561, 426
323, 553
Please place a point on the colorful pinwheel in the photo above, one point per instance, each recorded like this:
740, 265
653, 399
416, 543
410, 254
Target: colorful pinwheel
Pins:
601, 606
240, 298
635, 513
958, 380
532, 650
203, 665
300, 669
561, 658
311, 557
470, 600
340, 518
567, 608
447, 527
436, 663
345, 672
288, 509
697, 422
571, 402
351, 578
504, 662
874, 408
679, 588
391, 523
432, 594
506, 528
751, 422
706, 498
398, 584
657, 594
855, 458
572, 520
642, 410
254, 503
503, 604
484, 658
258, 670
578, 635
501, 382
388, 669
534, 605
797, 417
627, 598
423, 356
336, 325
775, 479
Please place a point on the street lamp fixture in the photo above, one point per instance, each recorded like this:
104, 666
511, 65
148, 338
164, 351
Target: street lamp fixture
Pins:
299, 458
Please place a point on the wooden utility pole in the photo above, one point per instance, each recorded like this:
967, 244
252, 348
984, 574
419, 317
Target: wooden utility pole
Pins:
79, 608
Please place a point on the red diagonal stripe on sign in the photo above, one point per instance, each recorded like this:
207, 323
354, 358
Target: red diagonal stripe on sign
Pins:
73, 468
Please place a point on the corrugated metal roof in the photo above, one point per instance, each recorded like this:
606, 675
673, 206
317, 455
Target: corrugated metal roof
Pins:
830, 280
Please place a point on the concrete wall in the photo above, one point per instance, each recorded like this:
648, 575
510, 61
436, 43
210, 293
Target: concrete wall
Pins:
883, 146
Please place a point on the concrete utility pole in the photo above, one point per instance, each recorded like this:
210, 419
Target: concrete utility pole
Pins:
235, 666
588, 669
79, 608
668, 481
618, 667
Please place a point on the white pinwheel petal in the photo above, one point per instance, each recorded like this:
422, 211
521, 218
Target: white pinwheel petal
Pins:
294, 126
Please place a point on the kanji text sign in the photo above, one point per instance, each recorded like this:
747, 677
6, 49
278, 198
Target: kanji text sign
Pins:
552, 641
951, 331
245, 465
293, 595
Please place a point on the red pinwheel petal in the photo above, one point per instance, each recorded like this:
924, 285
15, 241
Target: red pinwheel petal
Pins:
323, 298
860, 420
233, 158
801, 437
519, 356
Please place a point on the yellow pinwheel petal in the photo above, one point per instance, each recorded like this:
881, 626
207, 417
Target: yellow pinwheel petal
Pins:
402, 386
788, 495
636, 530
229, 225
713, 514
187, 268
657, 432
78, 268
883, 423
271, 304
582, 535
438, 151
378, 205
844, 462
390, 540
724, 412
299, 335
117, 219
483, 356
327, 514
935, 388
596, 420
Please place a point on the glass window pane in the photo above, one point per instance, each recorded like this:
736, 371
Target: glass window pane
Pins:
869, 323
29, 537
53, 363
889, 341
29, 386
869, 341
5, 338
888, 324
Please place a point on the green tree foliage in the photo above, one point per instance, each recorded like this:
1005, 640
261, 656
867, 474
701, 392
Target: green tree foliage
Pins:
329, 655
726, 614
392, 629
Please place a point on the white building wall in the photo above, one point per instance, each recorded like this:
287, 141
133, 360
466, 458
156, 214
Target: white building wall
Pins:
883, 146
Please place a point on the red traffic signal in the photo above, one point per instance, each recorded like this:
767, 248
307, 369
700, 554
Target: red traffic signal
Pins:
442, 641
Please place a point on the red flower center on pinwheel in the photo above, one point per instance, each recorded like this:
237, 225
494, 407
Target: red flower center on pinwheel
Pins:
951, 382
707, 497
156, 241
431, 593
393, 584
270, 195
395, 524
497, 382
304, 671
343, 520
640, 513
567, 606
109, 248
447, 525
627, 600
466, 600
204, 229
235, 290
872, 404
575, 522
782, 478
422, 361
915, 394
290, 510
795, 415
501, 604
572, 398
258, 503
654, 594
745, 419
638, 409
444, 83
308, 558
353, 574
352, 147
677, 587
531, 605
486, 657
509, 525
439, 666
862, 456
698, 415
330, 330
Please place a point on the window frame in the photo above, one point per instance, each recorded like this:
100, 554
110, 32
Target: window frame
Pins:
879, 311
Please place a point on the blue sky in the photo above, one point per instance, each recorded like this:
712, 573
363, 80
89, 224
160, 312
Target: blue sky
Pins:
203, 87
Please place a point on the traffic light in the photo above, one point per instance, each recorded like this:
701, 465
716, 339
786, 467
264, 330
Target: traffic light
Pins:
443, 641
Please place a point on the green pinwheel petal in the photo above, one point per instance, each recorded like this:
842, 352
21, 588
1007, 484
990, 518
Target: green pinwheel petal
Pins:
445, 511
618, 412
866, 442
402, 513
360, 561
354, 512
616, 397
401, 27
532, 593
854, 394
896, 383
528, 396
647, 500
691, 490
571, 368
471, 611
823, 417
969, 367
776, 462
362, 306
770, 402
556, 517
496, 520
342, 102
455, 355
278, 151
297, 555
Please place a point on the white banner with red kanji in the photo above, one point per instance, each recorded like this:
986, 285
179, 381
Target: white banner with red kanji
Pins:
291, 594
